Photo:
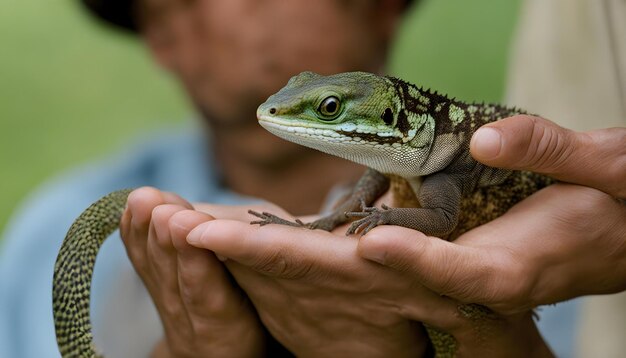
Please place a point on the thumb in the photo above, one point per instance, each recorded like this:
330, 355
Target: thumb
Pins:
596, 158
444, 267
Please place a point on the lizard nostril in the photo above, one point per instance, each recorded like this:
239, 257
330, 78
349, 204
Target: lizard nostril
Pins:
272, 110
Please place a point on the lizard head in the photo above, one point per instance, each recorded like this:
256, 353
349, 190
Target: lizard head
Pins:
356, 115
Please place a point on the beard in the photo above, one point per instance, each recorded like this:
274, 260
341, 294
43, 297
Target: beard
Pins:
241, 118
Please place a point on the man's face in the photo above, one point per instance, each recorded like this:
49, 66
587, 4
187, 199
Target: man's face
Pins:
231, 55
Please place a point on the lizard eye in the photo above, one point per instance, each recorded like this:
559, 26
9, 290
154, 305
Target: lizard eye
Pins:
329, 107
387, 116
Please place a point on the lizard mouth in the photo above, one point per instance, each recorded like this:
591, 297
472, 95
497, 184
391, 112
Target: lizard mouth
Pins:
283, 127
294, 124
339, 133
348, 136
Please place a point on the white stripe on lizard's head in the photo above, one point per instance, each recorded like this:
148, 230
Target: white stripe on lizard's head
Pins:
357, 116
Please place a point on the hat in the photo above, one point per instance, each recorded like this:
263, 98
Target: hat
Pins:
116, 12
120, 14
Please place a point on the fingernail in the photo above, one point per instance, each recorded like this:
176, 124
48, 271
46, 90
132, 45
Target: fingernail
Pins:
195, 236
487, 143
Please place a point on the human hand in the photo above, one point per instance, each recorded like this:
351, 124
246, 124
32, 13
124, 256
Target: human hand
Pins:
202, 311
318, 298
596, 158
313, 293
562, 242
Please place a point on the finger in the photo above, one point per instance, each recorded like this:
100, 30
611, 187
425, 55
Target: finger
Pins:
596, 158
273, 250
204, 284
141, 201
281, 251
424, 305
135, 225
446, 268
162, 257
161, 252
238, 212
136, 219
173, 198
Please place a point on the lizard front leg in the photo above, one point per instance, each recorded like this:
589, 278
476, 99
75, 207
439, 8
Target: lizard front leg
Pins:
370, 187
440, 196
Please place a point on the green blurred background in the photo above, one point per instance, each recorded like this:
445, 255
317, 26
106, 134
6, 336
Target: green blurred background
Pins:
71, 90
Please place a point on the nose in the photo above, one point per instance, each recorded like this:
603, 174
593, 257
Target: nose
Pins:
266, 109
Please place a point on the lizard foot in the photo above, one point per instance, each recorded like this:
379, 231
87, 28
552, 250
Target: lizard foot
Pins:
371, 217
269, 218
327, 223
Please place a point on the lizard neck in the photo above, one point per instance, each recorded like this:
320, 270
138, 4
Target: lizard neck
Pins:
450, 115
446, 125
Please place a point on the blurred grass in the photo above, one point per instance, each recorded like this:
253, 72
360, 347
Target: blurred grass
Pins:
71, 90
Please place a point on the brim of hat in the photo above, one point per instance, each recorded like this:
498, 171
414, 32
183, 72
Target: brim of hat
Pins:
120, 12
115, 12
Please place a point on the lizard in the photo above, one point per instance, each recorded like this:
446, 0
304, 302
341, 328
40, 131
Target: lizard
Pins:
413, 141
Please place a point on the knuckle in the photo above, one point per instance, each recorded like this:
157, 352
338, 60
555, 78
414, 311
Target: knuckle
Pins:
549, 148
405, 260
191, 283
141, 199
171, 306
192, 296
171, 309
160, 221
278, 263
161, 214
610, 155
178, 228
217, 306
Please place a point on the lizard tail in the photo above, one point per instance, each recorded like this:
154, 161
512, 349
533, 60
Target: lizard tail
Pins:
73, 272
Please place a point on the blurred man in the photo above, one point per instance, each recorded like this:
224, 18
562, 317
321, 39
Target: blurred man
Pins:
228, 56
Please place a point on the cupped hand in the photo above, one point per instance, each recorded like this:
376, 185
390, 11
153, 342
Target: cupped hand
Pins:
202, 311
311, 290
319, 298
562, 242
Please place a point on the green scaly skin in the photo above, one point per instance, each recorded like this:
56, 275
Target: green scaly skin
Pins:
73, 272
413, 139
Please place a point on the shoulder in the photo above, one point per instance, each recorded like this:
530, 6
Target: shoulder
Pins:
54, 205
37, 228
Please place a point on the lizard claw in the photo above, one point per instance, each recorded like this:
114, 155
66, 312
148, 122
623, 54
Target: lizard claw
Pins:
365, 210
370, 218
325, 223
269, 218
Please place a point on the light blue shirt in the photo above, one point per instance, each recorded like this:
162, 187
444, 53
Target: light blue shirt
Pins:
177, 162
